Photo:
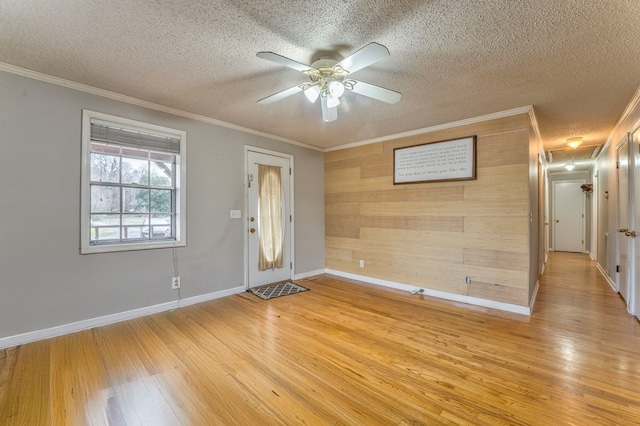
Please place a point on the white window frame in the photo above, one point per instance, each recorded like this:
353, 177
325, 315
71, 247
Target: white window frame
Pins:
85, 195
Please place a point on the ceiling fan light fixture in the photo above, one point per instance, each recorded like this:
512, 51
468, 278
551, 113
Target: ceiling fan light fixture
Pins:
332, 101
574, 142
329, 79
312, 93
336, 88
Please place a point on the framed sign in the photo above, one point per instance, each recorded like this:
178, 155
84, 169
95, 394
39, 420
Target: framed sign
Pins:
436, 161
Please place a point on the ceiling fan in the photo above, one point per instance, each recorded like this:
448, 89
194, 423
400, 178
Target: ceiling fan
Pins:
330, 79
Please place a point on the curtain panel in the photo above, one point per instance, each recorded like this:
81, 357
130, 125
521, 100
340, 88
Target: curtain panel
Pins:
270, 216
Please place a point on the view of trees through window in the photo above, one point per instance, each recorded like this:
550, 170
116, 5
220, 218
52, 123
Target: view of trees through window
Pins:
132, 194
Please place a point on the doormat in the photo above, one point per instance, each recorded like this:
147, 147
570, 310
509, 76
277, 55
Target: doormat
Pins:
271, 291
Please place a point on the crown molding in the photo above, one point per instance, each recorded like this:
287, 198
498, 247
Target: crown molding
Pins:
35, 75
536, 130
631, 106
465, 122
534, 123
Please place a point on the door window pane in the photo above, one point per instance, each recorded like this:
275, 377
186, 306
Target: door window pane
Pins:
136, 200
160, 227
105, 199
105, 168
105, 227
160, 201
132, 225
161, 173
135, 171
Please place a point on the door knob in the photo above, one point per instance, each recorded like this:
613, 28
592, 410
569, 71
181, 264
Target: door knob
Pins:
622, 230
557, 220
252, 219
252, 230
630, 233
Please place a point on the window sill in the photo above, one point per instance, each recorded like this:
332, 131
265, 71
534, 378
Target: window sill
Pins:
111, 248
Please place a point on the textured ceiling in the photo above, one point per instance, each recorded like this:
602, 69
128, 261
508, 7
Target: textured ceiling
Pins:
576, 62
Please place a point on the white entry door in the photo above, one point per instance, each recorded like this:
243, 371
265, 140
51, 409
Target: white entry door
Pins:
568, 203
623, 218
269, 217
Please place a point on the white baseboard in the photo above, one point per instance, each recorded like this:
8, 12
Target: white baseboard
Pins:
211, 296
309, 274
606, 277
20, 339
524, 310
32, 336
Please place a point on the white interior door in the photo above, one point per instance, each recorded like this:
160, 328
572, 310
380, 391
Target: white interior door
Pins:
623, 219
568, 220
257, 276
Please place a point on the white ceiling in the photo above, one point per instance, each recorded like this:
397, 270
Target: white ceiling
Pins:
577, 62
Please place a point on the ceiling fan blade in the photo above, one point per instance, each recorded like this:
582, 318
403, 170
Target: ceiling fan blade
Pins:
370, 54
376, 92
328, 114
280, 95
282, 60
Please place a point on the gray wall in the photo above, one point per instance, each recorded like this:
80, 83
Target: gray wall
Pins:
45, 282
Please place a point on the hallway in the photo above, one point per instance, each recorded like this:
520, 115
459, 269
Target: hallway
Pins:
584, 322
574, 296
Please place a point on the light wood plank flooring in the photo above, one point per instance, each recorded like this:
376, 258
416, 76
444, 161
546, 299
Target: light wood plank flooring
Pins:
343, 353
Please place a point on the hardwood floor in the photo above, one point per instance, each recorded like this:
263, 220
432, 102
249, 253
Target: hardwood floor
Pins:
343, 353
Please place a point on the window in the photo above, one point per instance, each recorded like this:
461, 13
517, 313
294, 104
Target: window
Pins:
133, 177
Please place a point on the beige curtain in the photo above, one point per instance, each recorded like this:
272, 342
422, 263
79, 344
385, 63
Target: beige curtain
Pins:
270, 211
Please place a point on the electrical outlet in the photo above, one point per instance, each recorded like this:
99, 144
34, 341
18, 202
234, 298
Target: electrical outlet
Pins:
175, 283
361, 263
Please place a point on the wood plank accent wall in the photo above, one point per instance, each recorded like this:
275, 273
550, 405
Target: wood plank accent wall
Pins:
433, 235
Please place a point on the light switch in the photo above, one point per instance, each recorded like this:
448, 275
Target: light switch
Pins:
235, 214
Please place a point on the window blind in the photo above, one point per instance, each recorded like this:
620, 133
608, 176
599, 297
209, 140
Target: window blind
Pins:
105, 133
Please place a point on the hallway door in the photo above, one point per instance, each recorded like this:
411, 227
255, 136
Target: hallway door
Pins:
623, 219
568, 221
